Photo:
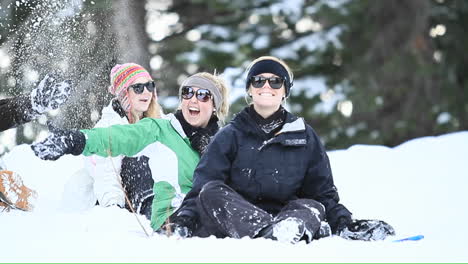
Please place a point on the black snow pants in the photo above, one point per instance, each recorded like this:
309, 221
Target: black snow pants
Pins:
225, 213
138, 183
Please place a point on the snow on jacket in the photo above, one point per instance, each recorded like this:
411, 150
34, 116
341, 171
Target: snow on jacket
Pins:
268, 172
172, 173
15, 111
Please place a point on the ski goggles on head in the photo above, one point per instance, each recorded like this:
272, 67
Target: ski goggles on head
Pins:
203, 95
275, 82
138, 88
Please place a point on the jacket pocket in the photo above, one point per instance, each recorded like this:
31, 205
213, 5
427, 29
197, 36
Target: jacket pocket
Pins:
294, 169
243, 170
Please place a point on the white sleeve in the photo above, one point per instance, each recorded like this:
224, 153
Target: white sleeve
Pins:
107, 183
106, 170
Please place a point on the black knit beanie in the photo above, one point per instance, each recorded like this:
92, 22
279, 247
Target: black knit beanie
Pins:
270, 66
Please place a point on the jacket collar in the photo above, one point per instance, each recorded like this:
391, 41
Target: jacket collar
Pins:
297, 125
244, 122
176, 125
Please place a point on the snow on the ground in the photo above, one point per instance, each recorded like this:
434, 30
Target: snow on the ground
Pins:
419, 187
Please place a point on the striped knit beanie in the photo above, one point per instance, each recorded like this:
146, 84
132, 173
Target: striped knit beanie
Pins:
123, 75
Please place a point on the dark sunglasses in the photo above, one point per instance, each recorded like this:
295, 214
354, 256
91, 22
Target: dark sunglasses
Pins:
259, 81
203, 95
138, 88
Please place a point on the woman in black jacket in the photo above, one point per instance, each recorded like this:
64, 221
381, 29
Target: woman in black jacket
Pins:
267, 174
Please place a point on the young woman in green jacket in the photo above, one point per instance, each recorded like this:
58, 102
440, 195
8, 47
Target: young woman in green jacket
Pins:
203, 103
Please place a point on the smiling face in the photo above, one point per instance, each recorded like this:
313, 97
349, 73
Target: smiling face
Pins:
141, 102
195, 112
266, 99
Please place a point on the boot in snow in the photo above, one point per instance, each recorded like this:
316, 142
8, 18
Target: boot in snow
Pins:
324, 231
290, 230
14, 194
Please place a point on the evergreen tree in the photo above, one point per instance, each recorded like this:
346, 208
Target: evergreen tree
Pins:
365, 71
368, 72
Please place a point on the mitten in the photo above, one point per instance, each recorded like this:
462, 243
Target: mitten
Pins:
49, 94
59, 143
124, 101
367, 230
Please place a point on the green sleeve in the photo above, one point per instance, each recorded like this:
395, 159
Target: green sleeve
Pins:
125, 140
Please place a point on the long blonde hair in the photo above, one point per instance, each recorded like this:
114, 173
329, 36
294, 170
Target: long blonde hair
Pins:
223, 109
154, 111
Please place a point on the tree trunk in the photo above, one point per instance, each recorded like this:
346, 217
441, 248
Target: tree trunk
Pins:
129, 26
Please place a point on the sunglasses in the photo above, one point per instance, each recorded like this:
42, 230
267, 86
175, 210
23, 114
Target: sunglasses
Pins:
259, 81
203, 95
138, 88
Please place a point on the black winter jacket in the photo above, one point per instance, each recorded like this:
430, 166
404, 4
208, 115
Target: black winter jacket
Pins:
268, 172
15, 111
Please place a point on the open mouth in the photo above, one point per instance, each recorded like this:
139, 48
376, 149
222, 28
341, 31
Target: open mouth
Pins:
266, 94
194, 111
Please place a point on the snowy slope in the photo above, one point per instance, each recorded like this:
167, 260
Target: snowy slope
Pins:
420, 187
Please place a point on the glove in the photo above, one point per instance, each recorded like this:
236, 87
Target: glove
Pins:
180, 226
367, 230
49, 94
59, 143
341, 224
124, 101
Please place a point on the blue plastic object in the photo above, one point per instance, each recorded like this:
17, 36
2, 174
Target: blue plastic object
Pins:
411, 238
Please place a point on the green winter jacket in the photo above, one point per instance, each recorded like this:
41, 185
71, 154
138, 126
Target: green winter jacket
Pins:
140, 139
